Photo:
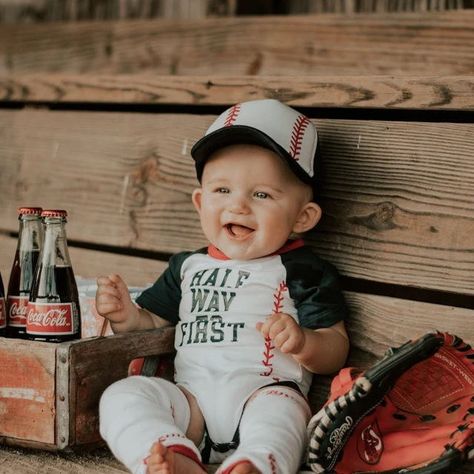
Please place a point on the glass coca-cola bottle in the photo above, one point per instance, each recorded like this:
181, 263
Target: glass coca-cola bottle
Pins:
30, 241
53, 312
3, 313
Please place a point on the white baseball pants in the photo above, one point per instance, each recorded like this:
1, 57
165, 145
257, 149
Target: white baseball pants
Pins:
138, 411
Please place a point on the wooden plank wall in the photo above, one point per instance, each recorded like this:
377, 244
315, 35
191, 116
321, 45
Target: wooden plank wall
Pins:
424, 93
434, 43
397, 193
392, 192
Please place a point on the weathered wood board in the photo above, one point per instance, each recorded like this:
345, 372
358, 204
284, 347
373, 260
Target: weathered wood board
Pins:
297, 45
27, 390
397, 196
391, 92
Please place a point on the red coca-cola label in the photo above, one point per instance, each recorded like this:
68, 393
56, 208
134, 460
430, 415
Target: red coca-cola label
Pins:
3, 313
17, 307
49, 318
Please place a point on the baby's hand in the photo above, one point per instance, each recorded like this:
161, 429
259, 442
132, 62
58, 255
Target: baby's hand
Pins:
284, 332
113, 300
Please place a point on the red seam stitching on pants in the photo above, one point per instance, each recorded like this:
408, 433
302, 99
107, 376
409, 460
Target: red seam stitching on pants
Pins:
272, 461
170, 435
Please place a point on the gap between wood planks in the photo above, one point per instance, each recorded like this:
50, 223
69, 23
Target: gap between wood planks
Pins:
330, 112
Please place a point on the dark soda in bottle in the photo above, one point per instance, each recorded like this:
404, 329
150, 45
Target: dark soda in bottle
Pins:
3, 312
53, 312
30, 241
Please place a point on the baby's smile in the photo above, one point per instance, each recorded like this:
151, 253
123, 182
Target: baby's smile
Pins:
238, 231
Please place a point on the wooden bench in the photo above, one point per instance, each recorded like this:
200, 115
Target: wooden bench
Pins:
397, 196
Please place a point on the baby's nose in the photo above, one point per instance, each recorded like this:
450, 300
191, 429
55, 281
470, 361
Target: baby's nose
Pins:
239, 205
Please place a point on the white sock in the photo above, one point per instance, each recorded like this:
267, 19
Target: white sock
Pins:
138, 411
272, 432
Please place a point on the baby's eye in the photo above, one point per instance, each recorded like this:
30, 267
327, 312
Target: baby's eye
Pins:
261, 195
222, 190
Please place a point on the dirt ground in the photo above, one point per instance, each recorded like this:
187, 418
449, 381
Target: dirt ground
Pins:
27, 461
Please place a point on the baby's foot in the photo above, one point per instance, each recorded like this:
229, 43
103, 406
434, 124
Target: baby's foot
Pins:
245, 467
165, 461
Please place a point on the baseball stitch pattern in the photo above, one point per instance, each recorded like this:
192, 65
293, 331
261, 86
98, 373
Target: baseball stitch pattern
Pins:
170, 435
268, 352
272, 461
232, 115
297, 136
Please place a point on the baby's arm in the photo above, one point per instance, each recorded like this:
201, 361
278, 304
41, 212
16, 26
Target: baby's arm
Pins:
321, 351
113, 302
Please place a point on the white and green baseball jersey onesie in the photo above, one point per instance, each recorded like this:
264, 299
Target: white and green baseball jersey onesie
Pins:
216, 303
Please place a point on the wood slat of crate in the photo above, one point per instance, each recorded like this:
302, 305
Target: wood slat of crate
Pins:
397, 196
394, 92
27, 391
324, 44
50, 392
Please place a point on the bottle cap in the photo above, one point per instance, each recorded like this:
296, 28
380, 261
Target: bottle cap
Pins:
30, 211
54, 213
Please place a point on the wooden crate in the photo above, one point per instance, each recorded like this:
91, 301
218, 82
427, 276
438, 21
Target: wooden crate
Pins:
49, 393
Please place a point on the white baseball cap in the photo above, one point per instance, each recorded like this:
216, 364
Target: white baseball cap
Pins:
267, 123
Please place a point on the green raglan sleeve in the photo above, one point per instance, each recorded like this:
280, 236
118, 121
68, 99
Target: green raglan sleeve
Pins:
164, 296
314, 286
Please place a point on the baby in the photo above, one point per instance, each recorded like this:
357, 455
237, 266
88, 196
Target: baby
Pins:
256, 313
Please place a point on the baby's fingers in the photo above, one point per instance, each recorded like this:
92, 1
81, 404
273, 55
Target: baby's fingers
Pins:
119, 283
105, 281
108, 290
106, 303
265, 326
293, 344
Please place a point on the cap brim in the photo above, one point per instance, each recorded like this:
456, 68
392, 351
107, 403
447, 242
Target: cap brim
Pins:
240, 134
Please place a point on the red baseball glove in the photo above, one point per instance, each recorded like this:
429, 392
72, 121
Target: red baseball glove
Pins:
413, 411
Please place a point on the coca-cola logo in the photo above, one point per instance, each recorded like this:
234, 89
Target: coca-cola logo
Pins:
17, 308
54, 318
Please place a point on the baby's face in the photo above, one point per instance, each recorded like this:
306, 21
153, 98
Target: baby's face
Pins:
250, 202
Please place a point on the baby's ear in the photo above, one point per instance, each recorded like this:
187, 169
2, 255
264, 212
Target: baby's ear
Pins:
196, 198
308, 217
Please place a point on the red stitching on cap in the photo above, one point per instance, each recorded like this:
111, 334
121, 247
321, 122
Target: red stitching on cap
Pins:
232, 115
297, 135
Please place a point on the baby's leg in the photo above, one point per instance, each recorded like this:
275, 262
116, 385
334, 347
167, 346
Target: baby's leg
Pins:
136, 412
272, 434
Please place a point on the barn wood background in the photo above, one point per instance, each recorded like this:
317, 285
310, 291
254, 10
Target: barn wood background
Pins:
28, 11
